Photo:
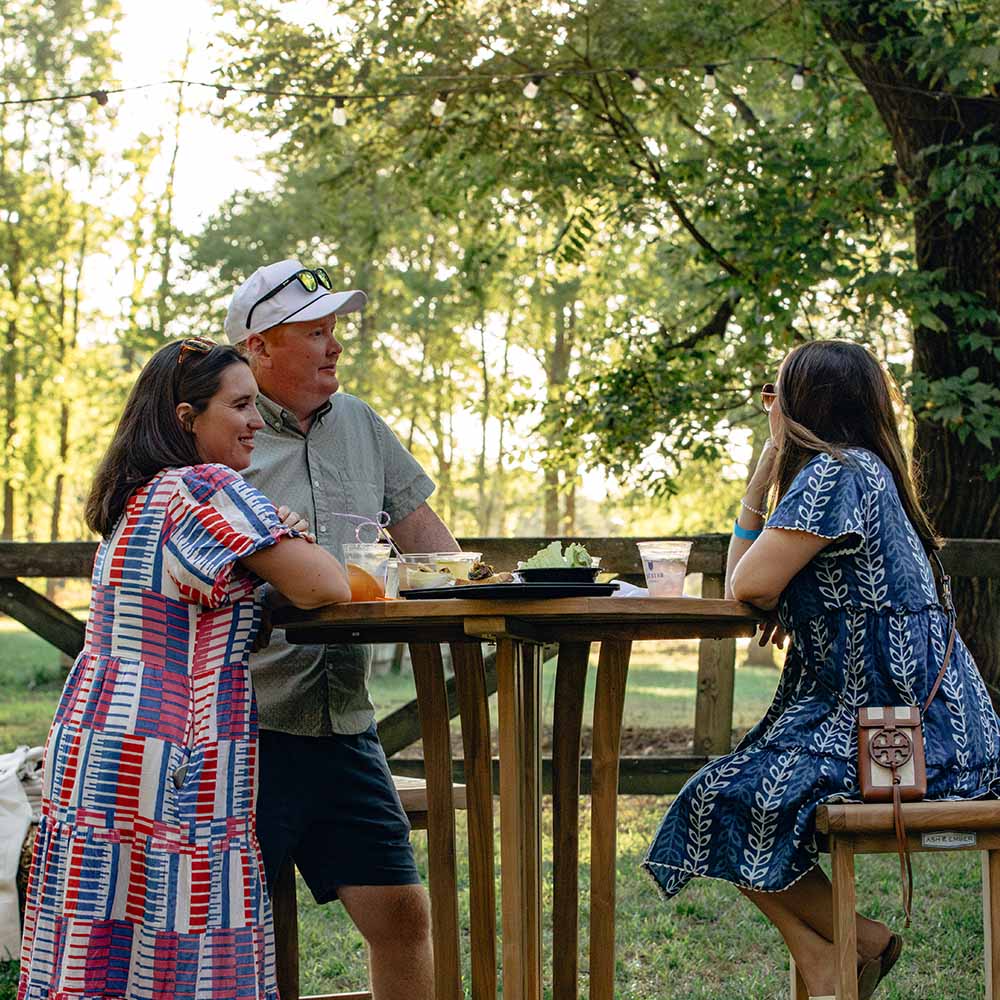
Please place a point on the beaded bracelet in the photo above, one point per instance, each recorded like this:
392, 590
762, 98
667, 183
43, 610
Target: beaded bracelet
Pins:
753, 510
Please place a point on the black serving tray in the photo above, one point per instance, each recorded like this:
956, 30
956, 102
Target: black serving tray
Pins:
559, 574
512, 591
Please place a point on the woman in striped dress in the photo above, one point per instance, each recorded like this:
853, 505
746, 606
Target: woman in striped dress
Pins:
147, 881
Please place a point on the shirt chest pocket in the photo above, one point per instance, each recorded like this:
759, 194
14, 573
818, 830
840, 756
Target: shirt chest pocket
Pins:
361, 497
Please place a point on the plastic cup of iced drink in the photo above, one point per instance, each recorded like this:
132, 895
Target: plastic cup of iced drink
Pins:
367, 564
665, 566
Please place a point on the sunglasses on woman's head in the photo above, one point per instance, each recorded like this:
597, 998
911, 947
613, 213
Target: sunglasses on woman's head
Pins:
194, 345
767, 396
310, 280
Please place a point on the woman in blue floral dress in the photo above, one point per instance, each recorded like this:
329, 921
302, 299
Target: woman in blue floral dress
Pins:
844, 560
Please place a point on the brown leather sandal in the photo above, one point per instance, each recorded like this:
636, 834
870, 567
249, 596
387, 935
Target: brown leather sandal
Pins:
874, 971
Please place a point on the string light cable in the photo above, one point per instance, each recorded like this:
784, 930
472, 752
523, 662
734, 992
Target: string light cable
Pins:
445, 86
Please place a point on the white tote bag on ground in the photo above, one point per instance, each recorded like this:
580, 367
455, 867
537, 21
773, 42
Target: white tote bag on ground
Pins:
20, 798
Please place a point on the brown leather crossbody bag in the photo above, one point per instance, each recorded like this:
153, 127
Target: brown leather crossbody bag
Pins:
891, 765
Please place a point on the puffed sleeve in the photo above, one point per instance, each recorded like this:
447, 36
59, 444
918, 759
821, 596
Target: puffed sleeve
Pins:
826, 499
215, 518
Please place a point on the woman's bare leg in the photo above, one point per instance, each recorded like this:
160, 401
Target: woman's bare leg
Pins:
803, 914
811, 900
813, 953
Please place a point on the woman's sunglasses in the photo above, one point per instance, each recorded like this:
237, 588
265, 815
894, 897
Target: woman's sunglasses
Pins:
195, 345
767, 396
310, 280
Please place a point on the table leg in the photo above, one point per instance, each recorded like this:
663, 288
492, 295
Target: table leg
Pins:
991, 922
474, 707
609, 703
428, 675
845, 941
518, 698
567, 719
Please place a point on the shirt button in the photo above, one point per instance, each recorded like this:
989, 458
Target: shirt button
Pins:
322, 528
316, 482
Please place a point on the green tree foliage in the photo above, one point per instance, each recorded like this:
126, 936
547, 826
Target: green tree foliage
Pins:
754, 215
48, 226
68, 350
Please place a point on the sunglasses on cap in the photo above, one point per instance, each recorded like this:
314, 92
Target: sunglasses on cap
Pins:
768, 394
310, 280
195, 345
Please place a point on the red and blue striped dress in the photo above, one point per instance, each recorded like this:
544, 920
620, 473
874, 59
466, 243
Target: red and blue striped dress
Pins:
147, 881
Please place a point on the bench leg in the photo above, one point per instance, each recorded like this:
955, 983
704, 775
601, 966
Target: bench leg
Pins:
845, 943
286, 932
991, 922
797, 985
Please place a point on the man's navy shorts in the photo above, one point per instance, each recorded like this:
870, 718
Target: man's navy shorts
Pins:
330, 804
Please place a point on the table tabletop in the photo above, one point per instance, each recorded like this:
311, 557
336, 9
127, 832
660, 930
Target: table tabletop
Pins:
573, 618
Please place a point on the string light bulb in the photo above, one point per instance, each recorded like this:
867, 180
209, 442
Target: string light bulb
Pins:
339, 114
638, 84
222, 92
799, 77
439, 106
531, 87
709, 81
101, 96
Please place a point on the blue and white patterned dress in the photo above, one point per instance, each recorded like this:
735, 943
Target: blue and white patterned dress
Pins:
866, 628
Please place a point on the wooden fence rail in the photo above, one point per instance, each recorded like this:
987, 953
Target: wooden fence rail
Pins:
964, 557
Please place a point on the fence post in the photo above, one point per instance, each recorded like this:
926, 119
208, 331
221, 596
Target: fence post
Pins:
713, 710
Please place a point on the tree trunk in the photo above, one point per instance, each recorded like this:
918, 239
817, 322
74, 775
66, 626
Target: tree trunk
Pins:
557, 364
551, 494
10, 431
484, 505
498, 507
926, 124
960, 500
569, 517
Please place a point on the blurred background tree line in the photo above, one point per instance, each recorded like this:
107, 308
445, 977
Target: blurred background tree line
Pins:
598, 277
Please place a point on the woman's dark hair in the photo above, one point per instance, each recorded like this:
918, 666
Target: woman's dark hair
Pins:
833, 395
149, 436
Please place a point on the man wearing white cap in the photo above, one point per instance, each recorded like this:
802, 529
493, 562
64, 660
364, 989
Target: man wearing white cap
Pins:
326, 797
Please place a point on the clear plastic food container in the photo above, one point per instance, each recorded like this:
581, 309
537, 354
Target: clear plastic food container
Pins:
422, 570
459, 563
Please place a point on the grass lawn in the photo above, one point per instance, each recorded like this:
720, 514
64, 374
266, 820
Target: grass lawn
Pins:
707, 944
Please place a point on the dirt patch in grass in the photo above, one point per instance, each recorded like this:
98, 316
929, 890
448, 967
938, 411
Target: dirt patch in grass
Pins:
636, 742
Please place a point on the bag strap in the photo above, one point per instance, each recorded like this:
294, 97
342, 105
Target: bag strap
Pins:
903, 848
950, 609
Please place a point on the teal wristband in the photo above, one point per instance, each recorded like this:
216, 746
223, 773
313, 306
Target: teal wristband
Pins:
745, 533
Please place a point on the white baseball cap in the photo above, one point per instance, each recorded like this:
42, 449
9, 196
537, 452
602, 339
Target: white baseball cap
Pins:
256, 306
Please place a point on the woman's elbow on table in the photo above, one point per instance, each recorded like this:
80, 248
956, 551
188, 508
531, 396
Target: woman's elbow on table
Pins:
306, 575
745, 588
305, 599
765, 602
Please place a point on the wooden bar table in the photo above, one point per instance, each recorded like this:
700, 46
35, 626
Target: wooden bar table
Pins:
520, 628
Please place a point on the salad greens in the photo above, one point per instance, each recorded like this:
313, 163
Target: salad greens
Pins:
553, 557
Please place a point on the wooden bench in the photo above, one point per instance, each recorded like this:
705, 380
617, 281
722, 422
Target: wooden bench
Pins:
413, 796
854, 828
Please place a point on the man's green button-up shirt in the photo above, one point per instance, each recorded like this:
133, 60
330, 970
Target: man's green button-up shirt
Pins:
349, 462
